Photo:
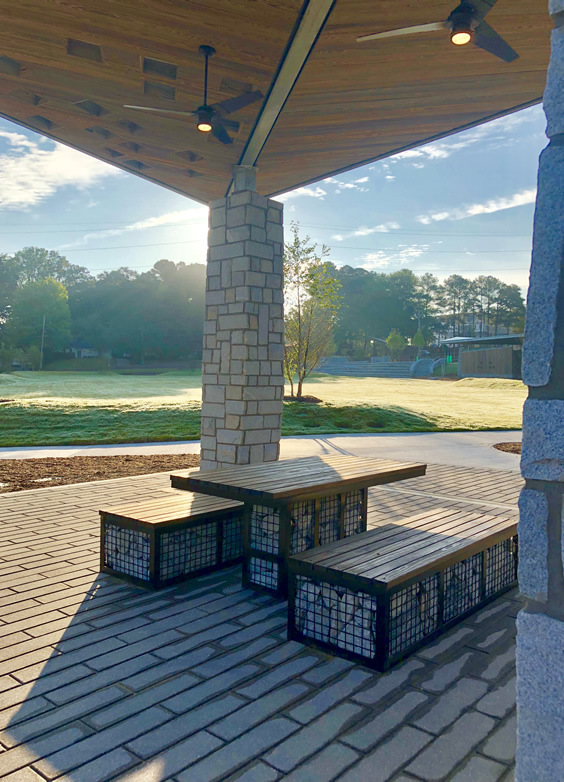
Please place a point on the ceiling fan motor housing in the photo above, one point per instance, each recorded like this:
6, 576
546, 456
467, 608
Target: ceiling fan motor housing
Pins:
464, 18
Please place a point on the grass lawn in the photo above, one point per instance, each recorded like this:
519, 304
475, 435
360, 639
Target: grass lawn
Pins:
73, 408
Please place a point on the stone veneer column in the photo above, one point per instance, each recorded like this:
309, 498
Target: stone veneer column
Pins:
540, 638
243, 382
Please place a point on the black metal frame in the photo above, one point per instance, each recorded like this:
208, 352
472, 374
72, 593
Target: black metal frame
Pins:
218, 519
284, 509
383, 658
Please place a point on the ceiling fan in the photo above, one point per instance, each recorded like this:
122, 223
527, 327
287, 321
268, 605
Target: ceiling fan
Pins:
212, 118
466, 25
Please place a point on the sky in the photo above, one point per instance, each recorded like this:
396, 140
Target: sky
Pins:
463, 205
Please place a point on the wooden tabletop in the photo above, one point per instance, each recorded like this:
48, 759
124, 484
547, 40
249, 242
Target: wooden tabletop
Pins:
295, 478
393, 552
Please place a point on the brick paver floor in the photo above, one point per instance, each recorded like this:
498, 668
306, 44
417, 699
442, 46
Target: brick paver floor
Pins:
102, 680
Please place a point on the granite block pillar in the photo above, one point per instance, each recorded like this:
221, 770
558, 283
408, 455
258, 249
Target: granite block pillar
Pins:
540, 637
243, 382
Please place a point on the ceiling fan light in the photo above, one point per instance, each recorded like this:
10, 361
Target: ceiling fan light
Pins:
461, 37
461, 28
204, 119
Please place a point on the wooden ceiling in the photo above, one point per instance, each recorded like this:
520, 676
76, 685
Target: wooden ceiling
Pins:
67, 68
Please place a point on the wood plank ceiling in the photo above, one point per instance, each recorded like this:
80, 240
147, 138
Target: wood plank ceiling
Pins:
67, 68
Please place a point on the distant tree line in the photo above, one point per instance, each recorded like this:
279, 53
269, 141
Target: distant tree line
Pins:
155, 315
158, 315
375, 304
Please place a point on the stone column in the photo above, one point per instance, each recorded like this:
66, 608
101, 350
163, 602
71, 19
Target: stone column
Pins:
243, 382
540, 638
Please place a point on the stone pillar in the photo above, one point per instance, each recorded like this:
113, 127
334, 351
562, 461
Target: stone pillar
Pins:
243, 382
540, 637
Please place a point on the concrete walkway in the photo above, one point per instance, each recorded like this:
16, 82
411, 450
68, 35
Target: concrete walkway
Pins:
101, 680
462, 449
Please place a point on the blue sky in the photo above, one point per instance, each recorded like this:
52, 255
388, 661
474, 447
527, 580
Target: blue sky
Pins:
462, 205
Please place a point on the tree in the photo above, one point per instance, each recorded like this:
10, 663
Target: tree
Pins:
418, 340
396, 343
33, 302
425, 301
37, 263
312, 299
9, 275
454, 295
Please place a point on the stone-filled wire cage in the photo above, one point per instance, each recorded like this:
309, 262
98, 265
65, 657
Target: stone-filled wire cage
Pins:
378, 627
156, 556
276, 532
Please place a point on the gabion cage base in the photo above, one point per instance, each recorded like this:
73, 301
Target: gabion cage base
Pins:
379, 627
272, 534
158, 556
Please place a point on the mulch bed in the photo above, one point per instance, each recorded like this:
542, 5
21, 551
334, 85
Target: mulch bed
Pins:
509, 447
19, 474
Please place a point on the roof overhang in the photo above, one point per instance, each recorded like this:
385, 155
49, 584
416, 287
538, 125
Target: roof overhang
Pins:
331, 104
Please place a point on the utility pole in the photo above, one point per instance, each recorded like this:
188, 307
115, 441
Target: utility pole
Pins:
42, 343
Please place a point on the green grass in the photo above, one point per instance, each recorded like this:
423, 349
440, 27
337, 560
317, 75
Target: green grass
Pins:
76, 408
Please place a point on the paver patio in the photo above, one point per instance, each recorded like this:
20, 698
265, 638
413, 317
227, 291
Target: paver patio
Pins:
100, 679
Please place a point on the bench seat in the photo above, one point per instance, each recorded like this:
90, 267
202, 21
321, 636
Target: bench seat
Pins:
378, 596
162, 541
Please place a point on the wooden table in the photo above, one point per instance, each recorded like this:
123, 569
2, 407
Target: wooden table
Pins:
294, 505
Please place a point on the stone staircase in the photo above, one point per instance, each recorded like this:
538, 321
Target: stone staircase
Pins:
341, 366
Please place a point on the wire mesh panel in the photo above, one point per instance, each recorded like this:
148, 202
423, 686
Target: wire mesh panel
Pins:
501, 565
414, 614
329, 519
263, 572
463, 586
128, 551
336, 615
336, 607
188, 550
232, 545
265, 529
302, 526
354, 513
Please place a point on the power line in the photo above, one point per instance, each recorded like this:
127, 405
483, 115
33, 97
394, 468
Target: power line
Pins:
128, 246
445, 252
392, 232
383, 269
338, 247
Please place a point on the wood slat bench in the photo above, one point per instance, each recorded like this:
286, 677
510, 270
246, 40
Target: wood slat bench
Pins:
378, 596
163, 541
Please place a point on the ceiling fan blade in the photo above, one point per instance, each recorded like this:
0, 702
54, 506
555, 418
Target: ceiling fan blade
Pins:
230, 124
418, 28
485, 37
482, 7
221, 134
162, 111
239, 102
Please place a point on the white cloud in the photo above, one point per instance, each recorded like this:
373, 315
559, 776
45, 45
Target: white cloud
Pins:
489, 207
30, 173
363, 230
380, 259
193, 219
317, 192
342, 185
490, 135
390, 178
